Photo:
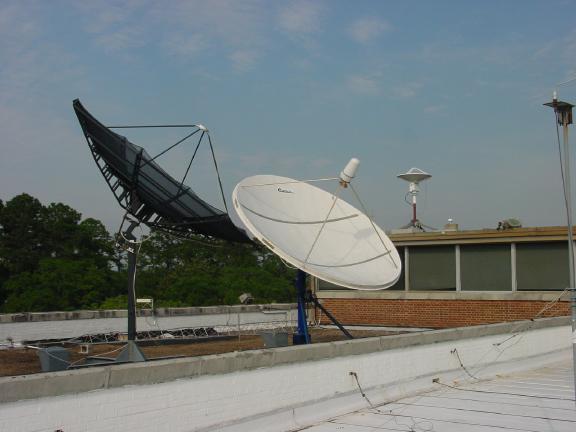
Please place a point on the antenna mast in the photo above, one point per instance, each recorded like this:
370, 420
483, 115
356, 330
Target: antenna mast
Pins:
563, 112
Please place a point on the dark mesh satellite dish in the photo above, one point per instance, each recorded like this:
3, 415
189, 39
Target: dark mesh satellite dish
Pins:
148, 192
152, 197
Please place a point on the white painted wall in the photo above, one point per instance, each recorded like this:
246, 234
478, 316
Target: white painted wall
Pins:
72, 328
294, 395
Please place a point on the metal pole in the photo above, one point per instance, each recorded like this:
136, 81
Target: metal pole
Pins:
131, 294
570, 242
331, 317
301, 336
569, 203
414, 192
131, 249
563, 111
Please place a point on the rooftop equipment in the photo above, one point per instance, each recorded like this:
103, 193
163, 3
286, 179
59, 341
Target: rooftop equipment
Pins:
414, 176
309, 228
151, 197
318, 233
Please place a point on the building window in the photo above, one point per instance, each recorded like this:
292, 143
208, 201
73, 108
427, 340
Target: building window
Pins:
542, 266
485, 267
327, 286
432, 268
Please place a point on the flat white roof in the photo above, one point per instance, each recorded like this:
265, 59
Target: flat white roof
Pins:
540, 400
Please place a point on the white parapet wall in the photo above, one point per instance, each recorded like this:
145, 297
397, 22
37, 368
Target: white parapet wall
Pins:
272, 390
64, 325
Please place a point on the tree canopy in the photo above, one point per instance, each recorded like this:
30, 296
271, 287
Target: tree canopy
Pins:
52, 259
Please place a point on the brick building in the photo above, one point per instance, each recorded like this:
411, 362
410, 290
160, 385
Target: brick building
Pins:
459, 278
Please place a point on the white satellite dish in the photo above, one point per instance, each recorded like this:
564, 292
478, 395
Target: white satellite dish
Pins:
318, 232
414, 175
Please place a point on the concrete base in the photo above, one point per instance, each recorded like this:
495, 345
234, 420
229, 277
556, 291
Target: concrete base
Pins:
131, 353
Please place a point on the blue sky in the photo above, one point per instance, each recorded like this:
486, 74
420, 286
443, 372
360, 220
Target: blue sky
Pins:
296, 88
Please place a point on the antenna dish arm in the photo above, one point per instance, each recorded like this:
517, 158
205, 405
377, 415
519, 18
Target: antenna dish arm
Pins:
199, 128
332, 318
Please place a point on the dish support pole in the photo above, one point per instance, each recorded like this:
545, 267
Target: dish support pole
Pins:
131, 352
301, 336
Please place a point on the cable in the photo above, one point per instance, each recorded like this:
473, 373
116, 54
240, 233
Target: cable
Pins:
151, 126
561, 159
189, 165
455, 351
461, 423
355, 375
287, 264
466, 370
405, 198
317, 322
562, 174
571, 80
192, 239
97, 355
143, 237
172, 146
500, 393
413, 427
373, 225
547, 306
217, 173
516, 333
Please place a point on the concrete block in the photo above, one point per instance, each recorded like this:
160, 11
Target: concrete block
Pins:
52, 384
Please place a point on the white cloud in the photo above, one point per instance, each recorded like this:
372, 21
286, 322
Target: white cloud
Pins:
184, 46
30, 64
15, 23
185, 28
365, 30
115, 27
364, 84
243, 59
407, 90
320, 163
104, 17
433, 109
228, 22
121, 40
301, 17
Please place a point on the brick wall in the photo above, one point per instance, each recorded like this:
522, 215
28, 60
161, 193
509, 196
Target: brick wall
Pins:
437, 313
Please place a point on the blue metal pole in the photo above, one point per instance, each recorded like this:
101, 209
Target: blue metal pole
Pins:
301, 336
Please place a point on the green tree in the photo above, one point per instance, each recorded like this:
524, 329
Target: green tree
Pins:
22, 240
93, 241
212, 272
59, 284
60, 230
50, 258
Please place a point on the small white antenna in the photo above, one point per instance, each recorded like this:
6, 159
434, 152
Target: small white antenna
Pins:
414, 176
